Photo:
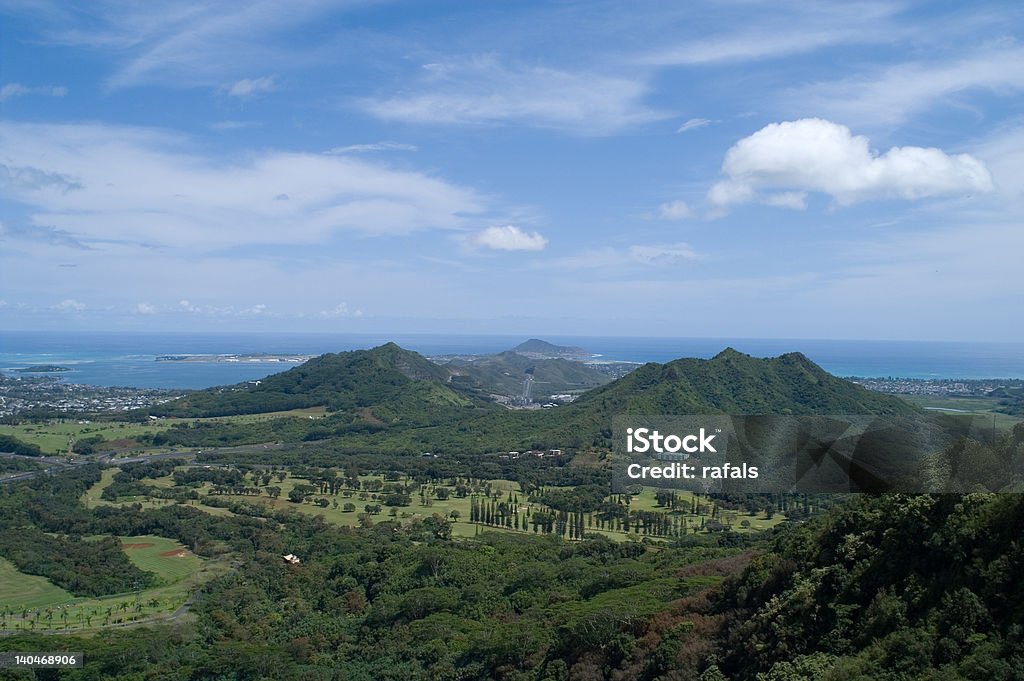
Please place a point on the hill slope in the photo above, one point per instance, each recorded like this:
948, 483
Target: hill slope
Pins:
539, 349
887, 587
729, 383
383, 408
386, 376
504, 373
734, 383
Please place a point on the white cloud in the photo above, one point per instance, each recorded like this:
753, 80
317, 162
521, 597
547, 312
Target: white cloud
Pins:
674, 210
794, 200
145, 308
341, 310
11, 90
895, 93
251, 86
140, 185
485, 91
509, 238
821, 156
694, 123
69, 305
375, 146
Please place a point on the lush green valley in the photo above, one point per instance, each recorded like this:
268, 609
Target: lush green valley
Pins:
394, 537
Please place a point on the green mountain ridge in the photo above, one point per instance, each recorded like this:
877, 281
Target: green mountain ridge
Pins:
732, 382
385, 376
393, 400
729, 383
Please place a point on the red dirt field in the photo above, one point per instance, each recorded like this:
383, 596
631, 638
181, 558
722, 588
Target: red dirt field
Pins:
176, 553
139, 545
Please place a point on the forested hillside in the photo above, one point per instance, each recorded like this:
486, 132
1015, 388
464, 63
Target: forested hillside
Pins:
387, 379
381, 408
891, 587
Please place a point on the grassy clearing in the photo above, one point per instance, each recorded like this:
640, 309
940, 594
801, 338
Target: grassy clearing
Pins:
981, 406
31, 603
165, 558
92, 497
645, 501
56, 436
335, 511
18, 590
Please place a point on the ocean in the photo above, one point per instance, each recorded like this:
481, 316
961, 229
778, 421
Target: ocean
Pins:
129, 359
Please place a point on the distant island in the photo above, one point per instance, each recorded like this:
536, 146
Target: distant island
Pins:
539, 349
42, 369
248, 358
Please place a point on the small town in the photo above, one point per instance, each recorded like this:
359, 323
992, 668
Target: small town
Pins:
44, 393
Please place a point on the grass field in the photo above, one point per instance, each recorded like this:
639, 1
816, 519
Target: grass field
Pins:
19, 590
47, 607
645, 501
165, 558
981, 406
54, 437
92, 497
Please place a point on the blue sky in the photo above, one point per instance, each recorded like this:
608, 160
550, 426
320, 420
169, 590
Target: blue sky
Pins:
726, 169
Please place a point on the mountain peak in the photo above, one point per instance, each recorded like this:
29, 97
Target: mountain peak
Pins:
541, 349
728, 352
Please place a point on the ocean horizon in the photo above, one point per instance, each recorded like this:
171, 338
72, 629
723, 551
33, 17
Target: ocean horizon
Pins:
129, 358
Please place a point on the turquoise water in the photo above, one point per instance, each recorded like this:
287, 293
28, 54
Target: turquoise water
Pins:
129, 359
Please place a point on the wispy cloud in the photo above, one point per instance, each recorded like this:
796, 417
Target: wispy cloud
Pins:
822, 156
486, 91
147, 186
674, 210
186, 43
788, 29
224, 126
375, 146
11, 90
893, 94
694, 123
45, 234
509, 238
341, 310
26, 178
248, 87
69, 305
628, 258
